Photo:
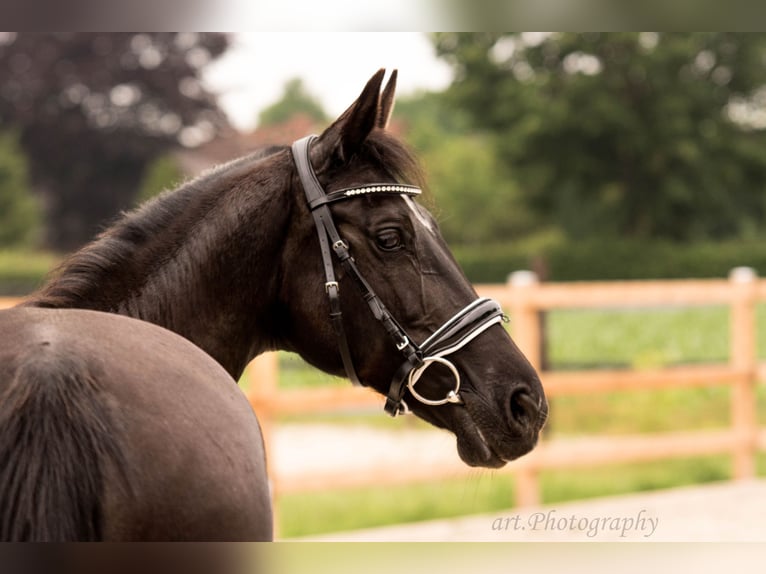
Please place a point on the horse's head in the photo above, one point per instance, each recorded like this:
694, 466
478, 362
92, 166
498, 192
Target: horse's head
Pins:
411, 322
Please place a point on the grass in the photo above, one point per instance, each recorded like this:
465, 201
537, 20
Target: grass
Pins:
305, 514
648, 411
637, 338
22, 272
577, 339
486, 492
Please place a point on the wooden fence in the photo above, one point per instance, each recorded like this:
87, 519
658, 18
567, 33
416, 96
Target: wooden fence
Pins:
525, 299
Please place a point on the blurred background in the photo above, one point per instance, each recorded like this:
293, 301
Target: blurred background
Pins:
586, 156
581, 157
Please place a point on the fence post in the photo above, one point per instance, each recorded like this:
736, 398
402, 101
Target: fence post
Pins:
744, 358
263, 375
525, 321
526, 332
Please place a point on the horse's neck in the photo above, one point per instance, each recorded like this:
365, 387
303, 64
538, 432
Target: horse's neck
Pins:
216, 292
210, 274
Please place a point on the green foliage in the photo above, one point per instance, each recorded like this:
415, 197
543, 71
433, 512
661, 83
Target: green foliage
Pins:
163, 173
623, 134
295, 100
92, 109
476, 201
22, 271
610, 259
595, 259
20, 214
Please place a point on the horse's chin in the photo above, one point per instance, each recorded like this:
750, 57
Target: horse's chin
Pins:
474, 450
483, 445
472, 445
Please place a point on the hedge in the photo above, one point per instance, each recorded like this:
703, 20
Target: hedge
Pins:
612, 260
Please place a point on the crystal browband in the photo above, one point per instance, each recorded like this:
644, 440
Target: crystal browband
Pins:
378, 188
369, 189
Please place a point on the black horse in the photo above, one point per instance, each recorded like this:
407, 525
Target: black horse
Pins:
120, 418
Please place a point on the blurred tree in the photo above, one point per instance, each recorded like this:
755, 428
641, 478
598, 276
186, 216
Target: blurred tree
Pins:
94, 109
295, 99
20, 215
476, 201
624, 134
163, 173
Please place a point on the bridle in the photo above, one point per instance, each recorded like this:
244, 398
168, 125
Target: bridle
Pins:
453, 335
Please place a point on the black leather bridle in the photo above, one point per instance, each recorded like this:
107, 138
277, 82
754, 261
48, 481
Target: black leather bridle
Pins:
457, 332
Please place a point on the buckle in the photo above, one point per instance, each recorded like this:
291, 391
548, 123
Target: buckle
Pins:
395, 409
331, 284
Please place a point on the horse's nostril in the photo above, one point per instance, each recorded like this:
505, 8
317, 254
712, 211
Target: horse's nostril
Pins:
522, 408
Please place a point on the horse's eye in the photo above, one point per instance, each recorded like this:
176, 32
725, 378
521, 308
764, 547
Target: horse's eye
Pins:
389, 240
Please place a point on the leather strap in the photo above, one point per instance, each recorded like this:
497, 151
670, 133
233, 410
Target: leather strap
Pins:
326, 232
458, 331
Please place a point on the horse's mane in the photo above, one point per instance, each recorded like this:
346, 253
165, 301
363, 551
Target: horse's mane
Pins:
82, 279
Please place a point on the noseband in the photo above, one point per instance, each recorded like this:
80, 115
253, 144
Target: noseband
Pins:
461, 329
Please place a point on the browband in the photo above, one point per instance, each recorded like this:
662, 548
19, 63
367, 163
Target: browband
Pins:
376, 188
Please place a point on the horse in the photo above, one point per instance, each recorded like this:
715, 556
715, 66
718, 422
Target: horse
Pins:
120, 416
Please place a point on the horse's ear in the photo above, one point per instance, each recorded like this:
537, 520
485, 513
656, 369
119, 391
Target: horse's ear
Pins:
387, 102
348, 132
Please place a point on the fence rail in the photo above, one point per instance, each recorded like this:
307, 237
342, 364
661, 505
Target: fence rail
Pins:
525, 299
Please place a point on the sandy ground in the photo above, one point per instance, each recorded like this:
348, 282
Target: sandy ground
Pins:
728, 512
316, 448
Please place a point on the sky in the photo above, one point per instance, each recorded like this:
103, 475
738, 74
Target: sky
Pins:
333, 65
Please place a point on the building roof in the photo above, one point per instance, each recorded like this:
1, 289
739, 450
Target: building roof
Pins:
233, 144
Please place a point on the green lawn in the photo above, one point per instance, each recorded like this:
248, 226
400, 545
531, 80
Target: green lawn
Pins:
577, 339
639, 338
486, 492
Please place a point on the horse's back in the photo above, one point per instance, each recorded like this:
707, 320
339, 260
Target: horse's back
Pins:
177, 450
